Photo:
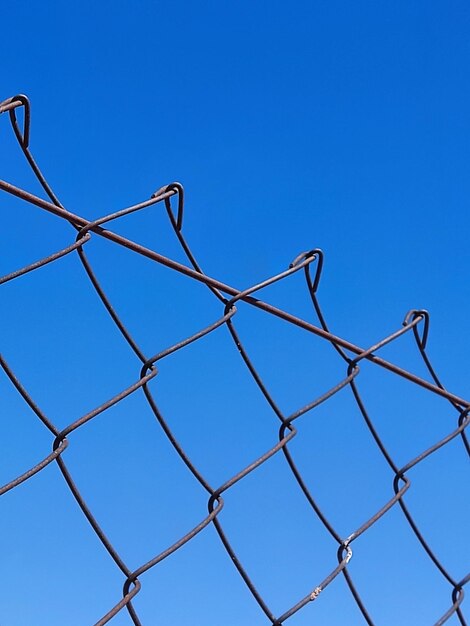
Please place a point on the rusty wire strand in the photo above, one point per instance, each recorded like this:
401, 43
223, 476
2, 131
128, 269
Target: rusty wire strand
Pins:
229, 297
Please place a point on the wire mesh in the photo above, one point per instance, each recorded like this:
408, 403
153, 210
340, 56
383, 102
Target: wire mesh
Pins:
228, 300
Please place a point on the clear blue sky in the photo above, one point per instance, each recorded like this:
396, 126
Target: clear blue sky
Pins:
297, 125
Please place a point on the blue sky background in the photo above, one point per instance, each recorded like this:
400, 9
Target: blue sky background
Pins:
292, 126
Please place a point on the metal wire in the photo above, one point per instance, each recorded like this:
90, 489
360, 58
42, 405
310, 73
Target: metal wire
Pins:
229, 297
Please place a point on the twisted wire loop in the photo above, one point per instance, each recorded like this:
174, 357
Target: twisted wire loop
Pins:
230, 297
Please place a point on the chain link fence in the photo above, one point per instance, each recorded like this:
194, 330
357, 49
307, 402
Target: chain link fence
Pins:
350, 358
